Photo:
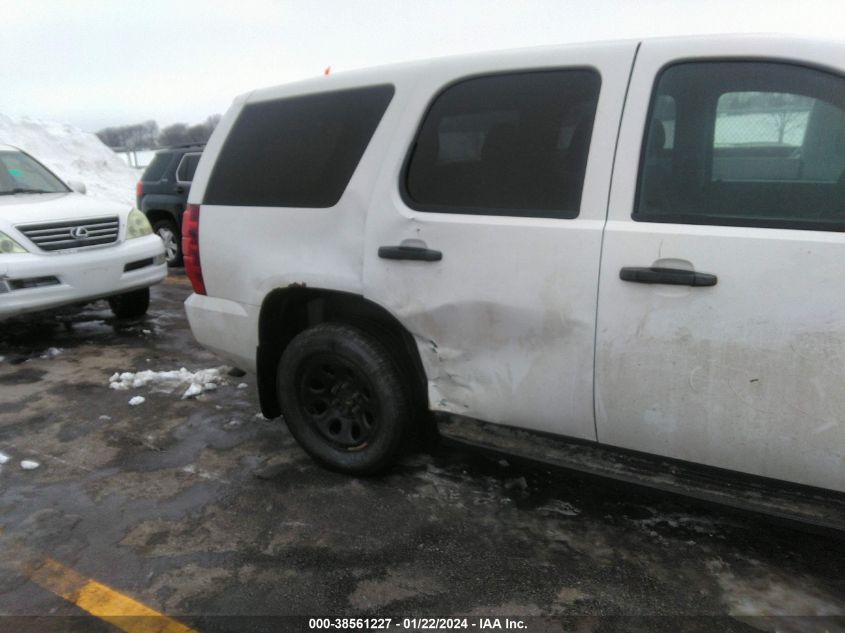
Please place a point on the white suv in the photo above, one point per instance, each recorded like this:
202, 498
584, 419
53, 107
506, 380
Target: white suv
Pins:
635, 244
59, 247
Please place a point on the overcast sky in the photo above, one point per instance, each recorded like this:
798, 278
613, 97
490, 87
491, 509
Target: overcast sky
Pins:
95, 63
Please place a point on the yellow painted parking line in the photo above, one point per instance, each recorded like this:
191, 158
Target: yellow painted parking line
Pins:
179, 280
102, 601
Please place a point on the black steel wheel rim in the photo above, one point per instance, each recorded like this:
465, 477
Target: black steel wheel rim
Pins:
339, 401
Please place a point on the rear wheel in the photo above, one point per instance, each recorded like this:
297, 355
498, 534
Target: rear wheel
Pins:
169, 234
130, 305
343, 398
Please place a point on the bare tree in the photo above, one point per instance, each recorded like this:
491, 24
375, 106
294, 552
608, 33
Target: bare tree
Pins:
785, 121
787, 112
182, 133
138, 136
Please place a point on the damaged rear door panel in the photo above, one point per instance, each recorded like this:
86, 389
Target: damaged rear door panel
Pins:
499, 206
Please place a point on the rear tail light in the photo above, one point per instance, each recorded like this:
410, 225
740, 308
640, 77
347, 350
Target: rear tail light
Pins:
191, 247
139, 189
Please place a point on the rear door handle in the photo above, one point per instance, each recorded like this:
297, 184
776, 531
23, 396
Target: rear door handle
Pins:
671, 276
414, 253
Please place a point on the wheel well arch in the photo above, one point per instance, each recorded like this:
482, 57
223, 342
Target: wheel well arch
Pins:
285, 312
154, 215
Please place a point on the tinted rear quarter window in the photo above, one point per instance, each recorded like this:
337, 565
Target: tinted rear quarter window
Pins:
188, 167
297, 151
513, 144
155, 170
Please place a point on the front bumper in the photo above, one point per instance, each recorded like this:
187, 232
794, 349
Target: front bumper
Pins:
34, 281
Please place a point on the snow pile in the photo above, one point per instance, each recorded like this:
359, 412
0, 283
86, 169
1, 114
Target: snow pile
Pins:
73, 155
169, 381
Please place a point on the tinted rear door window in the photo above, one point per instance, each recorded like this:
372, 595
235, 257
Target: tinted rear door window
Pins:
513, 144
296, 152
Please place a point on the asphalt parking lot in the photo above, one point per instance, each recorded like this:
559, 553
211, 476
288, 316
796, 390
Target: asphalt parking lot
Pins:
201, 509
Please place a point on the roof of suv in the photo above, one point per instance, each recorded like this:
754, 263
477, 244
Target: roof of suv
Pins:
389, 72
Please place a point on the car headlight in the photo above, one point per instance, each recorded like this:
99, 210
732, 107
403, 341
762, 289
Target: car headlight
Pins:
137, 225
8, 245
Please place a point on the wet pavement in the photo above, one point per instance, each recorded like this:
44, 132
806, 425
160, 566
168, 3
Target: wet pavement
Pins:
201, 509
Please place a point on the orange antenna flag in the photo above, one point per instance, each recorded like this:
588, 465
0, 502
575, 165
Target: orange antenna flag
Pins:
327, 71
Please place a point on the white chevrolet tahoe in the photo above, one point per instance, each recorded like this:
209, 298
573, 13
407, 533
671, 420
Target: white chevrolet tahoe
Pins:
59, 247
633, 245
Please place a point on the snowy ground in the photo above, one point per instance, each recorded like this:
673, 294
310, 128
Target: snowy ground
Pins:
73, 155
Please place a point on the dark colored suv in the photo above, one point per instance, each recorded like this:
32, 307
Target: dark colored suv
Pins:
162, 194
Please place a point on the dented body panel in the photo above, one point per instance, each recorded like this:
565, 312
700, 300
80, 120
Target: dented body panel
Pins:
505, 322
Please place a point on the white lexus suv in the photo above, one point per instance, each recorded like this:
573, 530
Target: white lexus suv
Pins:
59, 247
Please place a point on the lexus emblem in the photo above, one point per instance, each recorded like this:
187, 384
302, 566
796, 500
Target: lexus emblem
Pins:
79, 232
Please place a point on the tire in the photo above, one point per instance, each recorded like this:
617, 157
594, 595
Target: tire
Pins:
344, 399
169, 234
130, 305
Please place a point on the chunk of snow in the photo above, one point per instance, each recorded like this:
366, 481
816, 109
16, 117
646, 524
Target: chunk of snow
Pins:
195, 389
136, 400
104, 417
4, 458
29, 464
51, 352
243, 385
2, 358
169, 381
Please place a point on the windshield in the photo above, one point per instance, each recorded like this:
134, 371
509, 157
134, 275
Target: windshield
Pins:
20, 173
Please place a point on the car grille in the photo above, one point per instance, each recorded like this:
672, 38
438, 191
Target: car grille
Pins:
56, 236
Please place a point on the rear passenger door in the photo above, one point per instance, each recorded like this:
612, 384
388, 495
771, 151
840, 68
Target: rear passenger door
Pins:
484, 235
721, 320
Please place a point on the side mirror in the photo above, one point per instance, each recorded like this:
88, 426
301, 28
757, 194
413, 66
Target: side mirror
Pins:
78, 187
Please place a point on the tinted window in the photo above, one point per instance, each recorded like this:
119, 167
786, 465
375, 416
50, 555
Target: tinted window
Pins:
296, 152
187, 167
512, 144
155, 170
753, 143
